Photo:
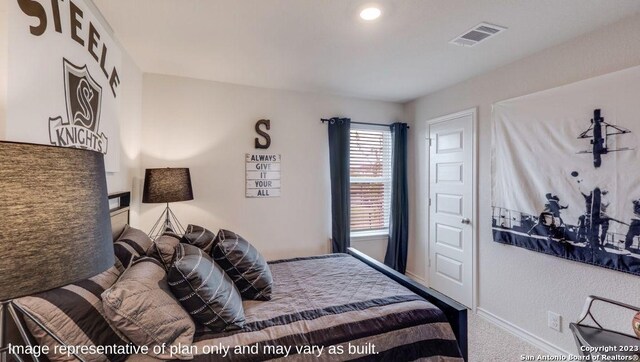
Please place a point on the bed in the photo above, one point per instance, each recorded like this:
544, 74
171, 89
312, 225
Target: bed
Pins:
336, 300
334, 307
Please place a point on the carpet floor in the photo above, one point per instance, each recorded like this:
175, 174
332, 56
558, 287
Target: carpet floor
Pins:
489, 343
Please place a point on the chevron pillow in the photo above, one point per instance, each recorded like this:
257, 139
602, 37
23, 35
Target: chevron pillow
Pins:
244, 264
204, 290
198, 236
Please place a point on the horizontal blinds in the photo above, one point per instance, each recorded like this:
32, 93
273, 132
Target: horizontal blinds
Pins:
370, 170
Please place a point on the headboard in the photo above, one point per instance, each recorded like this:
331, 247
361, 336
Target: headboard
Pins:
119, 203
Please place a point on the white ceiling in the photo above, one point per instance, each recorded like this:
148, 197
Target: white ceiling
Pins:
322, 46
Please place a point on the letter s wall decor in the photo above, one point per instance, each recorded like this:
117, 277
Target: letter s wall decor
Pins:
265, 135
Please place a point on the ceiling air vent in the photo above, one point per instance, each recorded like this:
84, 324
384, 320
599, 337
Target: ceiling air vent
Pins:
478, 33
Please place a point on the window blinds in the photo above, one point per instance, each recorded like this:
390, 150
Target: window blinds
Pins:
370, 170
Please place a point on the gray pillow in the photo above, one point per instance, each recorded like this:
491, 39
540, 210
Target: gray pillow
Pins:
198, 236
74, 315
204, 290
141, 306
244, 265
164, 250
131, 244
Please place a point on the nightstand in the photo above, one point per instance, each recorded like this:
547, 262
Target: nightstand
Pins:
596, 340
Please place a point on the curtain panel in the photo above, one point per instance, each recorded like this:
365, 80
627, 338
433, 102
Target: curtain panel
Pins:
396, 255
340, 183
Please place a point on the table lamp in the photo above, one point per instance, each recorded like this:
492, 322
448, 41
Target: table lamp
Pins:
165, 185
55, 227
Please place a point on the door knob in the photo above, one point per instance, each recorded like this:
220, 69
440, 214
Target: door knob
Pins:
466, 221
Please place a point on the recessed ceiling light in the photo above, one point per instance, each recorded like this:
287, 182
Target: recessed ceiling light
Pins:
370, 13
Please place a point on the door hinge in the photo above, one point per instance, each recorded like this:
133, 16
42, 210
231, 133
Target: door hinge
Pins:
429, 201
429, 141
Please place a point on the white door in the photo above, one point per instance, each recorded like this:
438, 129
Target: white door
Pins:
451, 188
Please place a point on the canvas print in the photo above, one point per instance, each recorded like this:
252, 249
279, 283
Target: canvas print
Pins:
565, 171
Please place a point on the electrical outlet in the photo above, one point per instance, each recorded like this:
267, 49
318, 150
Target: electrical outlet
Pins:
554, 321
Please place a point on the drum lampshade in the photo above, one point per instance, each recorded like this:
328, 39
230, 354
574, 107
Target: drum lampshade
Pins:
167, 185
55, 227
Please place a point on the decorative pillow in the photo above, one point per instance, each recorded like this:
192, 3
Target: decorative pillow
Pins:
74, 315
119, 266
200, 237
243, 264
171, 233
204, 290
131, 244
164, 250
141, 306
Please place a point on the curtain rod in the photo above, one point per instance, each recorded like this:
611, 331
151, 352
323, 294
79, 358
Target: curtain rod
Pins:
364, 123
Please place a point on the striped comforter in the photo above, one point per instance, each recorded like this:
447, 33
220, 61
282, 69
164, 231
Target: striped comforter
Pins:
339, 304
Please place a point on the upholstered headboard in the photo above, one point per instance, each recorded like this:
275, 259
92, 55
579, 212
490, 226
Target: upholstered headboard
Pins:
119, 208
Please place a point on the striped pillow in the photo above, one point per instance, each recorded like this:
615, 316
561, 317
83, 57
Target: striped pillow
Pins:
244, 265
204, 290
131, 244
200, 237
74, 315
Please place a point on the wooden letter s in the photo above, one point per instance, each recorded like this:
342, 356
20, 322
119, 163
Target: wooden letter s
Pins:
267, 138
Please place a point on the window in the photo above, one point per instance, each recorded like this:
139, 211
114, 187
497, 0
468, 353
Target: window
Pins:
370, 170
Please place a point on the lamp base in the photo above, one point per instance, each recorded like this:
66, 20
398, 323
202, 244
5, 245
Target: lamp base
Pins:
166, 222
7, 309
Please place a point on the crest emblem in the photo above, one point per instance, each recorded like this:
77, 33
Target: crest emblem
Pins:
83, 97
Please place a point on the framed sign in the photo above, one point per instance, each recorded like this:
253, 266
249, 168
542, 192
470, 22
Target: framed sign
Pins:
262, 175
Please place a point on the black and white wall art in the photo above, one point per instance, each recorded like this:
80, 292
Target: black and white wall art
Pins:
566, 171
64, 82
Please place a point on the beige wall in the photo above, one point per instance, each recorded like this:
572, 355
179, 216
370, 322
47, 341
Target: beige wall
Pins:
4, 52
516, 285
209, 126
130, 114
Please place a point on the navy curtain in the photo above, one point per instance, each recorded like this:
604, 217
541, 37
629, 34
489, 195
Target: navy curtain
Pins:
396, 256
340, 200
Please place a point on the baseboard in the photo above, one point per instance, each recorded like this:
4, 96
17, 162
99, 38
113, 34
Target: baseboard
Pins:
416, 278
508, 326
521, 333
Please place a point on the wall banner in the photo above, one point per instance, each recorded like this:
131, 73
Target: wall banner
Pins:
566, 180
63, 84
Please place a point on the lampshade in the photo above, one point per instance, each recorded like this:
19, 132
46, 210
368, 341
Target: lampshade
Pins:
167, 185
55, 227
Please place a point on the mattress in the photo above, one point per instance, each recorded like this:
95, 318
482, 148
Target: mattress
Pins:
333, 308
